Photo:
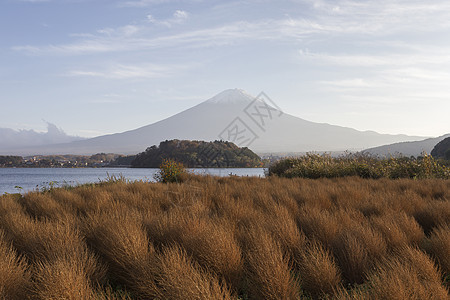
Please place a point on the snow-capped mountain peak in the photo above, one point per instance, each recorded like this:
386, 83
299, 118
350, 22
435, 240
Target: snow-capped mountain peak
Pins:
231, 96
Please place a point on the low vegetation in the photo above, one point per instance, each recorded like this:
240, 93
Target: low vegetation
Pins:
10, 161
325, 166
171, 171
229, 238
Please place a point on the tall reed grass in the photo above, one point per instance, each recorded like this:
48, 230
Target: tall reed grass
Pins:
325, 166
229, 238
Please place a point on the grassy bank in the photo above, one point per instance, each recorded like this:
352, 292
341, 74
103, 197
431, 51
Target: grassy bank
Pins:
229, 238
325, 166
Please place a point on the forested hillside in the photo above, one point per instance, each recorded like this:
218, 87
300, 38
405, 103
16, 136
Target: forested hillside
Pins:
442, 149
198, 154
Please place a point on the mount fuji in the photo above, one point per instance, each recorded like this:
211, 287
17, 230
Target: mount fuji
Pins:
234, 115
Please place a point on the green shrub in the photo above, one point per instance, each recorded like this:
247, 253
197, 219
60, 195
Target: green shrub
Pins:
325, 166
170, 171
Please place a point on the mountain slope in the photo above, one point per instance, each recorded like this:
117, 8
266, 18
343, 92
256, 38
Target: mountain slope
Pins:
414, 148
235, 116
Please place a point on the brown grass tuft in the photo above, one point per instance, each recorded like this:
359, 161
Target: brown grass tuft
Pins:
269, 273
179, 277
410, 274
356, 250
61, 279
319, 274
399, 230
212, 244
438, 245
318, 224
119, 238
14, 274
436, 213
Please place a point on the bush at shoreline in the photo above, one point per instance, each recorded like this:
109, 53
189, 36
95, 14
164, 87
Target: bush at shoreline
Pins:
325, 166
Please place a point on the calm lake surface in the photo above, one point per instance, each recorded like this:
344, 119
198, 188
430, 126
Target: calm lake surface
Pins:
37, 178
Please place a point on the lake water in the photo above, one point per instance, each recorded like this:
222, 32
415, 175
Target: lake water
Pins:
37, 178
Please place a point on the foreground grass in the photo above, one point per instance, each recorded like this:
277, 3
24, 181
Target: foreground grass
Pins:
229, 238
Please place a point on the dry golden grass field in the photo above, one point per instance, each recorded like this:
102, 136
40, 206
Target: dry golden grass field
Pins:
229, 238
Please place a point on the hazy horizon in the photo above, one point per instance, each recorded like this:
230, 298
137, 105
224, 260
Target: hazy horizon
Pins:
99, 67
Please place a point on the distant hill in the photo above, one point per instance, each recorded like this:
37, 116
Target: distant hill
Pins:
442, 149
415, 148
235, 116
198, 154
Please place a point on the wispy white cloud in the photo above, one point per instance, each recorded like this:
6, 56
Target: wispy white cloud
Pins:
44, 1
350, 83
413, 76
114, 40
342, 18
124, 31
141, 3
121, 71
383, 16
423, 74
416, 75
393, 85
178, 17
425, 56
34, 1
106, 101
146, 3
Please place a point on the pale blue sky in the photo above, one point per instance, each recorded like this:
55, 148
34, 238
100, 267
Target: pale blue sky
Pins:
94, 67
